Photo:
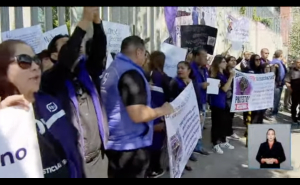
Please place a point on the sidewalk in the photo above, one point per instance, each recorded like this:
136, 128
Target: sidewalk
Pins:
233, 163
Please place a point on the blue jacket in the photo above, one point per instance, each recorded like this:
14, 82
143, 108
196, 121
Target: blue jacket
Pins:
124, 134
49, 110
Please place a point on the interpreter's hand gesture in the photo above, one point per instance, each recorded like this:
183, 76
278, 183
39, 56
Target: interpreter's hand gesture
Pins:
97, 19
15, 100
89, 13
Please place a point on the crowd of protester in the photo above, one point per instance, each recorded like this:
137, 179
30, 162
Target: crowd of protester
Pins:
113, 126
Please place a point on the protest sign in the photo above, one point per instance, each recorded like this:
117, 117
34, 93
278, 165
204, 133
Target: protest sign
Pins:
180, 21
49, 35
199, 36
33, 36
109, 59
183, 130
213, 87
19, 148
252, 92
115, 33
237, 29
173, 56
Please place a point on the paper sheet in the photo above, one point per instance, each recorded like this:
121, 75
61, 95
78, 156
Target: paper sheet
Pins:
213, 87
174, 55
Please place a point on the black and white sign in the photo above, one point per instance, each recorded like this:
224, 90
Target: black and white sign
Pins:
199, 36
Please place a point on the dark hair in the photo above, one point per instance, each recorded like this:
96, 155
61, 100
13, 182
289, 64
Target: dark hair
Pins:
270, 129
157, 61
197, 51
132, 41
43, 54
252, 62
188, 65
7, 54
229, 58
214, 68
52, 47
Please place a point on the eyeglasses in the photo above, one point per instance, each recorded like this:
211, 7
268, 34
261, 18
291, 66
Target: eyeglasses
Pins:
25, 61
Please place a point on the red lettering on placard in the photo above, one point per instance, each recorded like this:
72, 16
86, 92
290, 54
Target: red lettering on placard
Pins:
241, 106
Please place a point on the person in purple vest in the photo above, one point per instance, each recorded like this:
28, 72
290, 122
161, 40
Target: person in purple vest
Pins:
74, 79
218, 105
200, 71
20, 74
126, 96
160, 93
280, 74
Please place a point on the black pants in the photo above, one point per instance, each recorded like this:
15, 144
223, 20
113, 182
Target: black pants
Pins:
230, 122
154, 161
128, 164
219, 126
257, 116
295, 103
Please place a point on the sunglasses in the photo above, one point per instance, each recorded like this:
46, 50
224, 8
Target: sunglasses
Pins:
25, 61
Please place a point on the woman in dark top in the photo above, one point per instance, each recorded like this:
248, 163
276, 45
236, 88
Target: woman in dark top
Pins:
178, 84
160, 94
270, 153
256, 67
219, 115
20, 73
231, 63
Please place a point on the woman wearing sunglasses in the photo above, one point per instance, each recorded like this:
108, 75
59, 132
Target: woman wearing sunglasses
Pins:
20, 74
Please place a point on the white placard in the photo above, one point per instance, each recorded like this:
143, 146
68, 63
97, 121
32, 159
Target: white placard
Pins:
181, 21
19, 148
49, 35
183, 130
173, 56
252, 92
237, 29
109, 59
213, 87
115, 34
33, 36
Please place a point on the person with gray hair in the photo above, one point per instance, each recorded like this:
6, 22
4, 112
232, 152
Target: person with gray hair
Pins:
280, 74
126, 96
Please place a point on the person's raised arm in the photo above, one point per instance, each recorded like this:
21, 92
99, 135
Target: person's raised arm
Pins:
95, 63
70, 52
133, 92
227, 86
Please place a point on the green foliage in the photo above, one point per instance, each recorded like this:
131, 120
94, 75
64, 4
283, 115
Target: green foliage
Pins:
243, 10
266, 22
254, 15
55, 17
294, 38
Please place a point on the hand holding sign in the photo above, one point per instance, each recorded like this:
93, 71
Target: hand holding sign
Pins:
15, 100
